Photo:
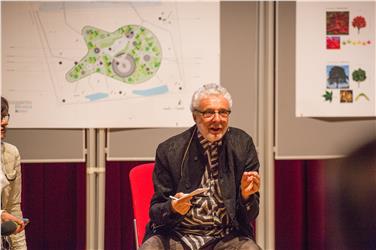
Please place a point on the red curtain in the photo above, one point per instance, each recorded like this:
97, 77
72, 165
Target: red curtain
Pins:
300, 205
54, 199
119, 233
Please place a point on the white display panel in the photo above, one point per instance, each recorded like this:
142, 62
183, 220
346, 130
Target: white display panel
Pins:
107, 64
335, 59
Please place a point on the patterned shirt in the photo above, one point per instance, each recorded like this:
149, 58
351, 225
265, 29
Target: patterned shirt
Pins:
207, 220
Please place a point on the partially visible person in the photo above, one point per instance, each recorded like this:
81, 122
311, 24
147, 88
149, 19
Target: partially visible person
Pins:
351, 202
217, 158
10, 181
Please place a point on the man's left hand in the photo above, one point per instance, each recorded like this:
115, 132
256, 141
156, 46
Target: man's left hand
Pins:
250, 184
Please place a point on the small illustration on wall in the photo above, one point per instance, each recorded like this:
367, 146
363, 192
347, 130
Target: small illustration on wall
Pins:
337, 76
346, 96
337, 23
359, 76
361, 95
359, 22
356, 42
333, 42
328, 96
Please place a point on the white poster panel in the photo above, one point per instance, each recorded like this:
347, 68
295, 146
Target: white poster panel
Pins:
107, 64
335, 59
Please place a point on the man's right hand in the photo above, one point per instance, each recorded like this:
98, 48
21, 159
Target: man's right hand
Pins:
5, 216
181, 206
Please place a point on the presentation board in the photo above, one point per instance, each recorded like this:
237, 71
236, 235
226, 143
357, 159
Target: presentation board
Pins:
106, 64
335, 59
301, 137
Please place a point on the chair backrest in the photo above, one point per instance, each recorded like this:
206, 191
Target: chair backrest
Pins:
140, 178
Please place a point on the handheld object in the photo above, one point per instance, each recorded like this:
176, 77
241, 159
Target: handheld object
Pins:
8, 228
191, 194
26, 221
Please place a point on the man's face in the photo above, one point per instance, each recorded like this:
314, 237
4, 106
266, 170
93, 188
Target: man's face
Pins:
4, 123
213, 127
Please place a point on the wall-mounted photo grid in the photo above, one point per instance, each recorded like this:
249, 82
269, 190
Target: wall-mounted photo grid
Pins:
335, 59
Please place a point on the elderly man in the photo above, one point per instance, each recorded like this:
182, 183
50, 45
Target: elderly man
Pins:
214, 157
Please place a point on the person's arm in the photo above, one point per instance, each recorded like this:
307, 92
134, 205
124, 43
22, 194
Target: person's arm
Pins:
5, 216
14, 203
161, 211
250, 183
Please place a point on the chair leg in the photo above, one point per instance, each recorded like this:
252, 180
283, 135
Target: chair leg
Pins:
135, 233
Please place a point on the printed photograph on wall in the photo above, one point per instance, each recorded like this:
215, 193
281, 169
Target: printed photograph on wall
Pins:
337, 22
337, 76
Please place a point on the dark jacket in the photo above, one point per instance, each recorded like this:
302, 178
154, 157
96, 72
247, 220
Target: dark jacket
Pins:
179, 166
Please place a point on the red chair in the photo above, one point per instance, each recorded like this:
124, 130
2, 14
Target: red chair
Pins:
140, 178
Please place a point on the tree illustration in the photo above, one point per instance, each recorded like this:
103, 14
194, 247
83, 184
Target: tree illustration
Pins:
359, 22
359, 76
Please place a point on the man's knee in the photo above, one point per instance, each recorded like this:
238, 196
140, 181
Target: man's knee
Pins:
239, 243
249, 245
159, 242
153, 243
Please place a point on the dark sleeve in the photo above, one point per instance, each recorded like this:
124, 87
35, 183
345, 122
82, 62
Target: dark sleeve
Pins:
161, 213
250, 207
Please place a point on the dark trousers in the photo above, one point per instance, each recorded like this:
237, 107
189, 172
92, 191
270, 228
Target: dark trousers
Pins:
230, 242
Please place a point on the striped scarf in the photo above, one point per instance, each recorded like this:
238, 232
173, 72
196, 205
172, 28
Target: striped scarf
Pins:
207, 219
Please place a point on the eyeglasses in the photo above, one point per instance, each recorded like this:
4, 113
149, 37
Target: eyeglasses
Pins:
5, 118
209, 114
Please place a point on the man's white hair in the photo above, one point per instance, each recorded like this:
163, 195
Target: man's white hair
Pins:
208, 90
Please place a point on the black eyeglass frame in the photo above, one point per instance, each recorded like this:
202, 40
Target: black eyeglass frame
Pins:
210, 113
5, 117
